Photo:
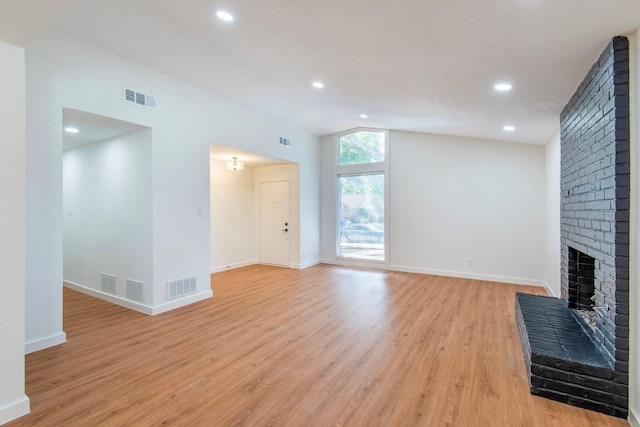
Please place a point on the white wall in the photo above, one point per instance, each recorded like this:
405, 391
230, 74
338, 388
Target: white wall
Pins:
552, 195
454, 199
43, 290
634, 256
232, 217
328, 199
13, 402
65, 72
107, 204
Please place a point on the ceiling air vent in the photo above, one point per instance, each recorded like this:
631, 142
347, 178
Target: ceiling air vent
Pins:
138, 98
285, 142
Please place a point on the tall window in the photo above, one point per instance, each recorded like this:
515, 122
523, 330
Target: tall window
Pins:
361, 195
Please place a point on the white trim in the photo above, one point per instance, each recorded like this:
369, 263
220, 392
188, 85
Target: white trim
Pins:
461, 275
114, 299
634, 242
14, 410
305, 264
173, 304
234, 265
434, 272
360, 262
142, 308
549, 291
42, 343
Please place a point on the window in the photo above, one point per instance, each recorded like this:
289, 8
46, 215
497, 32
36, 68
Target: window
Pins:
361, 195
362, 147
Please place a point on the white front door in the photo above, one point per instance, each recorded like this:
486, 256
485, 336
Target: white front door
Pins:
275, 224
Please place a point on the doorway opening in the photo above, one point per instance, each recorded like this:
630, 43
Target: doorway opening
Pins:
239, 235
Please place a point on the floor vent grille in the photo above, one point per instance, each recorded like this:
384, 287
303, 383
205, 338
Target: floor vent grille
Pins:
180, 287
134, 290
108, 284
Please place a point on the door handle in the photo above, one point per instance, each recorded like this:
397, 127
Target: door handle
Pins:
286, 229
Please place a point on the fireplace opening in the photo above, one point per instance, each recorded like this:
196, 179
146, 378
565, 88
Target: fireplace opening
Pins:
581, 284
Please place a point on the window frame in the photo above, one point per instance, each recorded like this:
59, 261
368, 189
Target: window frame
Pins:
354, 170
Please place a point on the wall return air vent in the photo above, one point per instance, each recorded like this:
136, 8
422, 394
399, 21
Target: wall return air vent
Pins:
133, 97
285, 142
108, 283
180, 287
135, 290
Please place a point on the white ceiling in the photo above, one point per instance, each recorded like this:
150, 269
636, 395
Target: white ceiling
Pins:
92, 128
415, 65
222, 153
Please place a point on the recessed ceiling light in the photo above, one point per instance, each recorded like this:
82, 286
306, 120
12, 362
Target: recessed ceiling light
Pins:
71, 130
364, 116
225, 16
318, 85
509, 128
503, 87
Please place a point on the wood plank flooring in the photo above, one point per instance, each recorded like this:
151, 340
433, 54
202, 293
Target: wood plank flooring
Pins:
324, 346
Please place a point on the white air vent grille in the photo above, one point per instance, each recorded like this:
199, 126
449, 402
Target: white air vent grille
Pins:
285, 142
108, 284
130, 95
180, 287
134, 290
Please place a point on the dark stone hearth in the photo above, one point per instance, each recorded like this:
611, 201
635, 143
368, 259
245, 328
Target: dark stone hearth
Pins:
563, 361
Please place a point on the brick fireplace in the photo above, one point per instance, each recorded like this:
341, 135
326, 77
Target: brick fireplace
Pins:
595, 179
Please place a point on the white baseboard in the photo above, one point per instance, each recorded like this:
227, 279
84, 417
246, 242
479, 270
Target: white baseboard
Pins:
549, 291
14, 410
305, 264
633, 419
114, 299
42, 343
435, 272
220, 268
473, 276
142, 308
181, 302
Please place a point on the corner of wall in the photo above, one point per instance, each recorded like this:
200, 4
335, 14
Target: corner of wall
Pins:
13, 401
552, 212
634, 249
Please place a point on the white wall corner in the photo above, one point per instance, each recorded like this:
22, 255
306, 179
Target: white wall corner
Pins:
14, 410
634, 246
43, 343
306, 264
549, 290
181, 302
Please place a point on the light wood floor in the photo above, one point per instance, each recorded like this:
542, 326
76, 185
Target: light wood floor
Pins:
325, 346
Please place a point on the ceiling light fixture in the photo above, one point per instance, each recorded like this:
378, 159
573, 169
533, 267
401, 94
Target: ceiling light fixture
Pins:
225, 16
318, 85
509, 128
364, 116
71, 130
234, 164
503, 87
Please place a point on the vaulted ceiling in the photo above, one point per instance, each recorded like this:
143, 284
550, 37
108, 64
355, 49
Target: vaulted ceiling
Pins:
415, 65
